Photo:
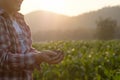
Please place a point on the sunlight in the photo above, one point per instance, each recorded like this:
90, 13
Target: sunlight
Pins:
57, 6
54, 5
67, 7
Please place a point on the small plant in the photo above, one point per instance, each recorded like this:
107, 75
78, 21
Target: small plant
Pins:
84, 60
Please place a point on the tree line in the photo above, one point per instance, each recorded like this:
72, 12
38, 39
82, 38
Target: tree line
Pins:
107, 29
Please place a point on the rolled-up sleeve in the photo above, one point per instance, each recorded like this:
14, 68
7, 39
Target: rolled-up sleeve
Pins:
13, 61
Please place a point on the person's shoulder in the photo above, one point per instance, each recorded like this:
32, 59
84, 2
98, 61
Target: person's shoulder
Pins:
1, 13
3, 16
1, 21
19, 15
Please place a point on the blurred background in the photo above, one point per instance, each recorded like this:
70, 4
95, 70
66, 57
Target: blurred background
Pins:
87, 31
72, 19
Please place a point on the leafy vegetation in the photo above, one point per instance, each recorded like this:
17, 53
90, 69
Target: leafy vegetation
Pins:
84, 60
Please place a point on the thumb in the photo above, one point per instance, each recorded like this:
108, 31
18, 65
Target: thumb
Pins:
53, 53
50, 53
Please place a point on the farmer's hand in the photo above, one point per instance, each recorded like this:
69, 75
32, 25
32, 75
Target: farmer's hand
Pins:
50, 57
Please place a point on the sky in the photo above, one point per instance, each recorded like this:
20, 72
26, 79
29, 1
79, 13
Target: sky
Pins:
66, 7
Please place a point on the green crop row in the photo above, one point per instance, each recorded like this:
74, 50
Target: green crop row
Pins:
84, 60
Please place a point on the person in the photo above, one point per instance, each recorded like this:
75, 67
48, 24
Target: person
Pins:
18, 58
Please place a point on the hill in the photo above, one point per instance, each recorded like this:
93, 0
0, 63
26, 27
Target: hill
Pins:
51, 26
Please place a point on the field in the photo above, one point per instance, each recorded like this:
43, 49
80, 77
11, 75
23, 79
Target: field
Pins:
84, 60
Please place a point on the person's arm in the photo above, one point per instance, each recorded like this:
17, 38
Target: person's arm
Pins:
13, 61
49, 56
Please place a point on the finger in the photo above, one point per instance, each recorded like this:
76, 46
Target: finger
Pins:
51, 53
56, 57
45, 58
58, 60
59, 51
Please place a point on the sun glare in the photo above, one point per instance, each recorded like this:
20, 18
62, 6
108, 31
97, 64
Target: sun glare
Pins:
54, 5
67, 7
57, 6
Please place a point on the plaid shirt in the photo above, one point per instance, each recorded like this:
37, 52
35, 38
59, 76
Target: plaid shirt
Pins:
15, 65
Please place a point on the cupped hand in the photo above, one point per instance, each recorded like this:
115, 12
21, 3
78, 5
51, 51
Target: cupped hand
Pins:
51, 57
